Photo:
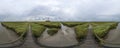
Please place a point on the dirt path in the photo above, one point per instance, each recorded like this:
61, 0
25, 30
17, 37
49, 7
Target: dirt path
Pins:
113, 37
6, 36
29, 40
65, 37
89, 41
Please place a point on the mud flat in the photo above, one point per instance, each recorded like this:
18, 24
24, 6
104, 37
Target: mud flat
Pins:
65, 37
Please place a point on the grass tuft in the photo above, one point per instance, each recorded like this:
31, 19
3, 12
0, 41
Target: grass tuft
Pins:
37, 29
52, 31
18, 27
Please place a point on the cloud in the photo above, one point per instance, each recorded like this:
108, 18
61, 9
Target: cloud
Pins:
74, 10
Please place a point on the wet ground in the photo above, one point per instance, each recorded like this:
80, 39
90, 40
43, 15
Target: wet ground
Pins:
6, 35
89, 42
29, 40
113, 39
65, 37
8, 38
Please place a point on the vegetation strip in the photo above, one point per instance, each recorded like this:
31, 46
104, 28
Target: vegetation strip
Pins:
52, 31
100, 28
37, 29
15, 39
72, 24
49, 24
20, 37
53, 27
17, 27
81, 31
102, 41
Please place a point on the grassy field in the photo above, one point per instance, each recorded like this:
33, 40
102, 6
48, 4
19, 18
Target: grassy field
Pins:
99, 28
49, 24
81, 31
37, 29
52, 26
52, 31
72, 24
102, 28
18, 27
80, 27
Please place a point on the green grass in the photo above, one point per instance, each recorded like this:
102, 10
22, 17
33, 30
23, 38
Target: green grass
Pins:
37, 29
81, 31
18, 27
52, 31
101, 29
72, 24
49, 24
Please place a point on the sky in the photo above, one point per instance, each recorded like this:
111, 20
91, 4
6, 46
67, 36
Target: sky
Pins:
60, 10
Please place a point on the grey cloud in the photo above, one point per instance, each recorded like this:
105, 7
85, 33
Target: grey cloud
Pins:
76, 10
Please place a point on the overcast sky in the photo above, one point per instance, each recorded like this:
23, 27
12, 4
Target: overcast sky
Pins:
71, 10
